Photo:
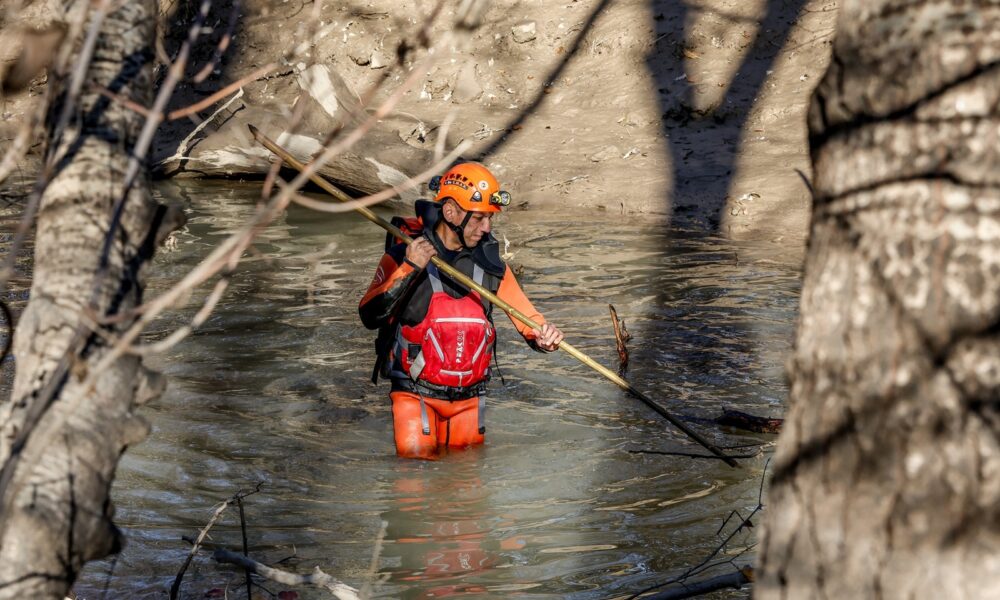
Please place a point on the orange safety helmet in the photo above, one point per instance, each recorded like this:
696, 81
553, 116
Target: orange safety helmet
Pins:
472, 187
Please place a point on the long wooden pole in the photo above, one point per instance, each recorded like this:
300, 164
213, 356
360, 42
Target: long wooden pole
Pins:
485, 293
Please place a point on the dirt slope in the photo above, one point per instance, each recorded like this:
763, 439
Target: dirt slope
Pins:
694, 111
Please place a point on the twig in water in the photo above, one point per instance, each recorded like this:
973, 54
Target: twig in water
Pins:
734, 580
176, 586
707, 563
317, 578
740, 420
748, 422
111, 572
622, 336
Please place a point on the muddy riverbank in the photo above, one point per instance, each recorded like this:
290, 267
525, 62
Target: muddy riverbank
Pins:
691, 111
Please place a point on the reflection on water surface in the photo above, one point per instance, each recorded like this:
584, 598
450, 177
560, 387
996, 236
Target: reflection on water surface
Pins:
274, 388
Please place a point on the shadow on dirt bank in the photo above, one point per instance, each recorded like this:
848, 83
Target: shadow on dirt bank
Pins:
207, 69
703, 127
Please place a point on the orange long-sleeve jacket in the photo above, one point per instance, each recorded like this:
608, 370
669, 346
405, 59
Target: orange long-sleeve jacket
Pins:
399, 291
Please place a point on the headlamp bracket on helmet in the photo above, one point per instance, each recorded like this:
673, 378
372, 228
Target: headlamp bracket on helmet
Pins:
501, 198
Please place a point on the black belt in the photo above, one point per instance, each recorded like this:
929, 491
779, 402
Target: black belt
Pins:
440, 392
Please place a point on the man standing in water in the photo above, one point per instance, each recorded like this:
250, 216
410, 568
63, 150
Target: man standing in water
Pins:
436, 337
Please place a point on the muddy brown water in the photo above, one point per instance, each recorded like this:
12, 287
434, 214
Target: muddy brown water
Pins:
274, 389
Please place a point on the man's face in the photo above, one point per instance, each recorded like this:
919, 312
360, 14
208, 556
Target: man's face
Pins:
480, 223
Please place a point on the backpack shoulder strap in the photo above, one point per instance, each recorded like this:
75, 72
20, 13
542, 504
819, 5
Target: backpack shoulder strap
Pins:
411, 226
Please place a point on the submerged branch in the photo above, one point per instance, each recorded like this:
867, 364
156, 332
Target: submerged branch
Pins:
734, 580
744, 575
740, 420
237, 497
316, 579
692, 454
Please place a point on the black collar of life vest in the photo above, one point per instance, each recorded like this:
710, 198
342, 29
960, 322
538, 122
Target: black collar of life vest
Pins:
486, 253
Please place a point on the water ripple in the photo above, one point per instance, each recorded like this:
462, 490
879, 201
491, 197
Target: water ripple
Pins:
274, 388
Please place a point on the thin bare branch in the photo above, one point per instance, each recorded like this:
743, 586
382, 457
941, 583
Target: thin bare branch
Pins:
442, 137
119, 99
68, 107
366, 589
230, 254
231, 248
182, 332
78, 75
384, 195
735, 580
744, 524
183, 146
238, 496
229, 89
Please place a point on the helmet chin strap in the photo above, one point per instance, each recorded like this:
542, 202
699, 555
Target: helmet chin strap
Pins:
458, 229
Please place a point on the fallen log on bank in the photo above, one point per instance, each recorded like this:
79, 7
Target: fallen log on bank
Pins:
379, 160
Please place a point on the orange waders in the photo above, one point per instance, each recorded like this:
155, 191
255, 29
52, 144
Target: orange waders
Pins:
451, 423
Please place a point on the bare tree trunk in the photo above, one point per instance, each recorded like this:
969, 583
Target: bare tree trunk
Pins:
61, 440
887, 474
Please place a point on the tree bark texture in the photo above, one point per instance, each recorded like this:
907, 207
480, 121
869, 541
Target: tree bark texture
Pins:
58, 508
887, 473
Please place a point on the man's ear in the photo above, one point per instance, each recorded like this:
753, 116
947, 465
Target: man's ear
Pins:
449, 210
